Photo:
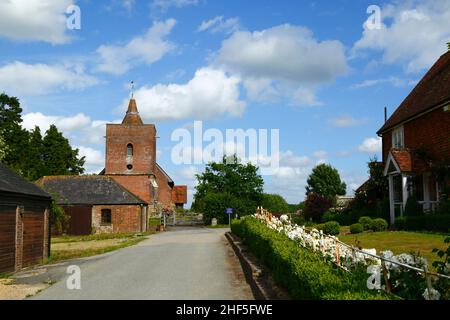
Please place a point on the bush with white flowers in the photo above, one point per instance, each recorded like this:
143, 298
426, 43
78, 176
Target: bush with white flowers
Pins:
405, 282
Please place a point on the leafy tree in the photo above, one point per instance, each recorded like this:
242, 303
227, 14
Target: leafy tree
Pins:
238, 180
315, 206
35, 155
14, 136
326, 182
275, 203
59, 158
448, 45
3, 146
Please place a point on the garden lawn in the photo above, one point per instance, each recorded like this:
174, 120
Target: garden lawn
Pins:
398, 242
71, 247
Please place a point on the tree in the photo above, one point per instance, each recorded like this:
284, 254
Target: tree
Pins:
326, 182
59, 158
239, 181
3, 146
14, 136
448, 45
35, 155
315, 206
275, 203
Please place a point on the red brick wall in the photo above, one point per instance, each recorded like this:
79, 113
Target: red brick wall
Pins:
164, 190
430, 132
143, 139
138, 185
124, 218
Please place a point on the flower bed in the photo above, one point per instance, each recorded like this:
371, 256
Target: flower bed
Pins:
303, 273
402, 274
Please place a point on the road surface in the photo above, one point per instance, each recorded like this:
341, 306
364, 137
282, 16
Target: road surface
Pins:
182, 264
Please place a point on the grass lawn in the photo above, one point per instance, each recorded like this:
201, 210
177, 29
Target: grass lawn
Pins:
399, 242
71, 247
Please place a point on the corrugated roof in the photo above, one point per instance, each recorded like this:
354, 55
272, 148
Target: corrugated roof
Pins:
432, 91
10, 181
93, 190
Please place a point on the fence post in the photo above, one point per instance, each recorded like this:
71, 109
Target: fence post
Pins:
386, 277
338, 257
428, 278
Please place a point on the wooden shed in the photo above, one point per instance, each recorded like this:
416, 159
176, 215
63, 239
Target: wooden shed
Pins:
24, 222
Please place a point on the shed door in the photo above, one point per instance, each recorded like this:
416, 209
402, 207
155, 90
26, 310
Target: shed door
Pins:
7, 238
80, 222
33, 236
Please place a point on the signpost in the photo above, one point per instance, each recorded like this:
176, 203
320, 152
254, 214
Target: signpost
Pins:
229, 211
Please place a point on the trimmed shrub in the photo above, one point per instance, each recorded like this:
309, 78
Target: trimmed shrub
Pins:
356, 228
366, 222
332, 228
378, 225
429, 222
304, 274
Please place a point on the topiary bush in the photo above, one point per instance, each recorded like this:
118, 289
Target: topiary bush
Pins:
332, 228
356, 228
379, 225
366, 222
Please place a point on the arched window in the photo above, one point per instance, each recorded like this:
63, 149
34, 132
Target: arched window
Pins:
129, 150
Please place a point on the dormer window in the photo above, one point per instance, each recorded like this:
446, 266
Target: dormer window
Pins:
398, 138
129, 150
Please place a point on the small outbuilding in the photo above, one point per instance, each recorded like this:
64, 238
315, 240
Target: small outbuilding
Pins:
24, 222
97, 204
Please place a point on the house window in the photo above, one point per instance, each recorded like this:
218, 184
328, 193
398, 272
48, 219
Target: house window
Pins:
398, 139
129, 150
106, 217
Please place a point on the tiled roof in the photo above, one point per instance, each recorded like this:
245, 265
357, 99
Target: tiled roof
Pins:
132, 118
403, 158
431, 91
12, 182
93, 190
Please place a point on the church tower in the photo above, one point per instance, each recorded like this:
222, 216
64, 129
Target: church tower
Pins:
131, 154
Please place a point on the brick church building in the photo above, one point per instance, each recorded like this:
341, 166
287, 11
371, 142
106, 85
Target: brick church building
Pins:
131, 161
131, 188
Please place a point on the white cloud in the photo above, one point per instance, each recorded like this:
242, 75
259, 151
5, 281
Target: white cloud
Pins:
95, 159
414, 33
219, 24
149, 48
128, 4
65, 124
18, 78
284, 52
346, 121
164, 5
210, 93
34, 20
320, 154
283, 61
371, 145
396, 82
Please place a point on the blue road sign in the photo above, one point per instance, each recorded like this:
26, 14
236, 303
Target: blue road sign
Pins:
229, 211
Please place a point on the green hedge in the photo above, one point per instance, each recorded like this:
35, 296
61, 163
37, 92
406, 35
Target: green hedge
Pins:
303, 273
429, 222
356, 228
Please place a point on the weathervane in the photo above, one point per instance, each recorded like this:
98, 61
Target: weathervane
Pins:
132, 89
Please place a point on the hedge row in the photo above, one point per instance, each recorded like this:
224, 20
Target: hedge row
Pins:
303, 273
430, 222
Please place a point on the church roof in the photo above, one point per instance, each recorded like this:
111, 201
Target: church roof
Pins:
132, 117
90, 190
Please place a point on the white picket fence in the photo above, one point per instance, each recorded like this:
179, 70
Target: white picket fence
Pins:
346, 256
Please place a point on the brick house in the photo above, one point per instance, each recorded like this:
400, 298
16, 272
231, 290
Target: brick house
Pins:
416, 142
24, 222
97, 204
131, 160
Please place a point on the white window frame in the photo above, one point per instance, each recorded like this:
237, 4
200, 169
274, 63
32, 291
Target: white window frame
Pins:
398, 138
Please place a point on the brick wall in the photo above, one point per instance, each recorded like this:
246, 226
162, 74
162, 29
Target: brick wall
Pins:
138, 185
429, 132
143, 139
164, 190
124, 218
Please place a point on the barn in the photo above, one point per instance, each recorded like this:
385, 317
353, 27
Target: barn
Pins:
96, 204
24, 222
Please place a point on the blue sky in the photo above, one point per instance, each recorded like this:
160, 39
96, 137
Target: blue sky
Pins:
312, 69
